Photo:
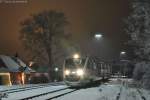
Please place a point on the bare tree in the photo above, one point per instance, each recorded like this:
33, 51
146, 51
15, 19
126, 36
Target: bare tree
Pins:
41, 32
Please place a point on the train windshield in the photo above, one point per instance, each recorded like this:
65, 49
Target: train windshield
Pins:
72, 63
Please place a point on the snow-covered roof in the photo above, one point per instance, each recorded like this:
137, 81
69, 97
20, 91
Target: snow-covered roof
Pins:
13, 64
4, 70
9, 63
27, 69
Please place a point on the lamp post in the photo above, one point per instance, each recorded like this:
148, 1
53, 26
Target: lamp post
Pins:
56, 69
97, 37
122, 59
122, 55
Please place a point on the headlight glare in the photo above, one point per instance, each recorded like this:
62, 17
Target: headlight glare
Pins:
80, 72
67, 72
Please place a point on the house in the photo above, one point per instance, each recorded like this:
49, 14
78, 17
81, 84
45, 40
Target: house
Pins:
13, 70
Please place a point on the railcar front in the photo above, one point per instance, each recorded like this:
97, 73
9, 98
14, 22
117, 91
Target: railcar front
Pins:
74, 71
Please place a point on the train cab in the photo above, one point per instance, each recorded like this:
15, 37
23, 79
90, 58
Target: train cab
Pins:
79, 71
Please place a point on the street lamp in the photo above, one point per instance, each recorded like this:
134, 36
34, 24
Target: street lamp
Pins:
123, 61
56, 69
97, 39
122, 52
122, 55
98, 36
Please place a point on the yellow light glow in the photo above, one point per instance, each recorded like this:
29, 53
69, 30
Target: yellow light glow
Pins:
67, 72
6, 80
23, 78
80, 72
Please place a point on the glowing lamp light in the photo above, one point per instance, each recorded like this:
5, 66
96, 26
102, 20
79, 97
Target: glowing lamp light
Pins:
98, 36
56, 69
31, 63
80, 72
123, 53
76, 56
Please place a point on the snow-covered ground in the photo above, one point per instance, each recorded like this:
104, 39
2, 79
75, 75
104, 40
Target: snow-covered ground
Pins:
146, 93
103, 92
3, 88
111, 91
114, 90
28, 93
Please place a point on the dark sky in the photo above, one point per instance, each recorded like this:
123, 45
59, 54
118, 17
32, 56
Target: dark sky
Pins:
85, 16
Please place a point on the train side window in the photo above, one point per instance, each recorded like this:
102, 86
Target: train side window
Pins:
91, 65
88, 64
94, 66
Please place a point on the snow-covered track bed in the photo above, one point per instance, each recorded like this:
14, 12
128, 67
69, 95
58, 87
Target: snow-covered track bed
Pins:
119, 94
141, 94
28, 87
51, 95
102, 92
40, 92
132, 94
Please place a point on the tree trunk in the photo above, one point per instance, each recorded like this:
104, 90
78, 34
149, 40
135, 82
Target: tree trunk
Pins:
50, 63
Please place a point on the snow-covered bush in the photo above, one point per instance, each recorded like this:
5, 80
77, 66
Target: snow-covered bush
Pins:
146, 79
139, 71
142, 74
138, 29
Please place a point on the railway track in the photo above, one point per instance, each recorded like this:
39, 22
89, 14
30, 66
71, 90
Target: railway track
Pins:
51, 94
13, 90
119, 94
141, 94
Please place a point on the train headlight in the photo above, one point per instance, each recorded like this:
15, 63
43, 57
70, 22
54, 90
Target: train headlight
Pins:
67, 72
80, 72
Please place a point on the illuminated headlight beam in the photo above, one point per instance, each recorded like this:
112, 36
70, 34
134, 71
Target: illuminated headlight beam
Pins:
76, 56
80, 72
67, 72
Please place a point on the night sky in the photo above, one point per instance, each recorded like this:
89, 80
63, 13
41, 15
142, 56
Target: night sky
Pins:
85, 16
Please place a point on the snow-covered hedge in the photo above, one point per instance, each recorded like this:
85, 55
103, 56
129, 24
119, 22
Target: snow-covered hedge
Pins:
146, 78
142, 74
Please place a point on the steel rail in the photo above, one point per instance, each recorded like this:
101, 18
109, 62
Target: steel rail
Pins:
42, 94
141, 95
27, 88
62, 94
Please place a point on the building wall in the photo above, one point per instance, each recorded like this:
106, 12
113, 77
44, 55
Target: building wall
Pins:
5, 79
17, 78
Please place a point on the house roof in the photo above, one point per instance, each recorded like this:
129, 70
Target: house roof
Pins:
13, 64
26, 68
4, 70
